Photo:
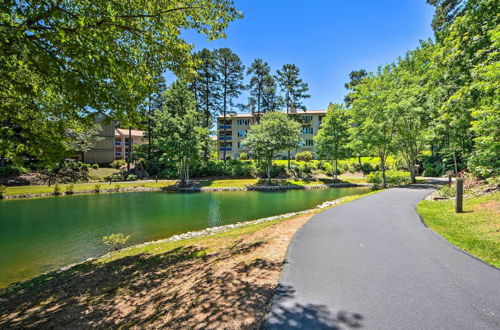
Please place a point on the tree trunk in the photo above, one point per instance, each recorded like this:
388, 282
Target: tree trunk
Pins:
382, 165
129, 149
224, 109
455, 163
336, 169
269, 169
2, 161
359, 161
411, 167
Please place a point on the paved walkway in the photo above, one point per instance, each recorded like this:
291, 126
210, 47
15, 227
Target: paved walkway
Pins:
372, 264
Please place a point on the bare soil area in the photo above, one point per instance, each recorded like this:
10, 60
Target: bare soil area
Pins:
225, 281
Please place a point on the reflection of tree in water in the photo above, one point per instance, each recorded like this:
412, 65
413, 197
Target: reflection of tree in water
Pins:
214, 216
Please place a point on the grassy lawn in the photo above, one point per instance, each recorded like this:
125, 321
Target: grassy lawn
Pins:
476, 231
239, 183
45, 189
100, 174
242, 183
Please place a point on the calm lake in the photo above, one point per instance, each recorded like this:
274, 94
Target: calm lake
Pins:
39, 235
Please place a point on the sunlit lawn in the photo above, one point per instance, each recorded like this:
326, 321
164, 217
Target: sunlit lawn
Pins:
477, 230
45, 189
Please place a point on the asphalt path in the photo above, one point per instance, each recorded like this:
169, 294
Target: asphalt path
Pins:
373, 264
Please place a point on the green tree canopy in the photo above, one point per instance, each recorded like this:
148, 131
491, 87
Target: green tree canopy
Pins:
275, 133
333, 136
61, 62
292, 86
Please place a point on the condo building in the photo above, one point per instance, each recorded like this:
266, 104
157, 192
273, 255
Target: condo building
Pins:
236, 128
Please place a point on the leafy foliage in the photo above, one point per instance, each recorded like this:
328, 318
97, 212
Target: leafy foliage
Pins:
116, 241
63, 62
333, 136
276, 132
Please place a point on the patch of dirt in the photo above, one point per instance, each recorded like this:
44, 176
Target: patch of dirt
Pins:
230, 287
492, 206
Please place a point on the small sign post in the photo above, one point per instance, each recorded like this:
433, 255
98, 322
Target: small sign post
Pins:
449, 179
459, 196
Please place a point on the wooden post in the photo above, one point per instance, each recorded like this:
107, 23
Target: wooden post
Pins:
449, 179
459, 196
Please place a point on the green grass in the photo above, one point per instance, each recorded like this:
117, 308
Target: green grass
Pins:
242, 183
100, 174
45, 189
476, 231
239, 183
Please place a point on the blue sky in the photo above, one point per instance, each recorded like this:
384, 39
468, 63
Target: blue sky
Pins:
327, 39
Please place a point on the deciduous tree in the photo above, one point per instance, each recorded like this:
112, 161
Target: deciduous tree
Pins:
276, 132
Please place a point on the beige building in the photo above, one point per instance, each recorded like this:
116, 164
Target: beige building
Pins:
237, 127
112, 144
122, 143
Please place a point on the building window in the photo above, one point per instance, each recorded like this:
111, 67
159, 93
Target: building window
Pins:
307, 130
243, 122
242, 133
241, 144
307, 118
309, 143
225, 144
320, 119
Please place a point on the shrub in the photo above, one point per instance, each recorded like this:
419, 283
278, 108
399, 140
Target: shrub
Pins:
447, 191
117, 163
97, 188
114, 177
393, 177
295, 170
244, 156
276, 170
305, 156
57, 189
116, 241
8, 171
68, 171
3, 189
117, 187
306, 168
95, 166
131, 177
70, 189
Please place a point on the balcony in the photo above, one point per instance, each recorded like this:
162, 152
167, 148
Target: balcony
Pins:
118, 153
118, 143
225, 126
226, 149
225, 138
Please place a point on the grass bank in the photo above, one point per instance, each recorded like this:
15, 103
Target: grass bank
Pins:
476, 231
77, 187
226, 280
44, 190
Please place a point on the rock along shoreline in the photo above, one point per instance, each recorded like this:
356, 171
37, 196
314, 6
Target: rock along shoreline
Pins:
187, 235
193, 189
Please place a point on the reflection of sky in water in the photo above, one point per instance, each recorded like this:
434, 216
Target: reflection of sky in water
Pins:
214, 216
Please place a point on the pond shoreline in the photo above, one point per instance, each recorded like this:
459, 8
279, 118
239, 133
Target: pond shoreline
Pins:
188, 235
193, 189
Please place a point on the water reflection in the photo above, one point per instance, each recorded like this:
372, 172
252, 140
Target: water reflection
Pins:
214, 215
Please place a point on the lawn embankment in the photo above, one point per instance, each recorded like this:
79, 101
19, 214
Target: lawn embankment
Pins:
78, 187
226, 280
237, 184
476, 231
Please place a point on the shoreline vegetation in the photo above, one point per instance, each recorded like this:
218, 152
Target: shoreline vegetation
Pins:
190, 280
35, 191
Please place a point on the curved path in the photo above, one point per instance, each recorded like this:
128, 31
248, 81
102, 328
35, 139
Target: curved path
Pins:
371, 263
